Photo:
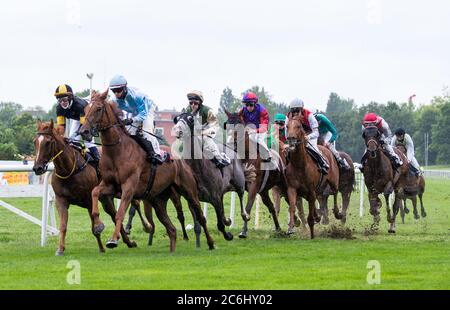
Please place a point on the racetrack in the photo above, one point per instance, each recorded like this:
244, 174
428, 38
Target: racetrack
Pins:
417, 257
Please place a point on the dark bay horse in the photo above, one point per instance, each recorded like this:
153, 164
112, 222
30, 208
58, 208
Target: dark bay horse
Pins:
380, 177
266, 179
346, 185
415, 186
212, 183
303, 177
126, 173
72, 180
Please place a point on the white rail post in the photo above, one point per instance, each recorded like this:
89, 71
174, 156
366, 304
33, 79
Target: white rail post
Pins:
361, 196
232, 208
205, 209
257, 212
52, 202
45, 210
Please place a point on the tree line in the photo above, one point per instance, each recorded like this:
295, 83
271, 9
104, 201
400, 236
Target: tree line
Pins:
18, 125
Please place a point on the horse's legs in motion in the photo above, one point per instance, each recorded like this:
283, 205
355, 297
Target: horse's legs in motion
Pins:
396, 207
148, 207
323, 203
175, 198
311, 215
276, 195
160, 206
63, 210
145, 224
131, 215
300, 211
266, 200
197, 226
252, 191
245, 216
97, 236
388, 212
414, 203
422, 209
375, 205
218, 206
125, 199
101, 189
402, 210
108, 206
345, 202
292, 198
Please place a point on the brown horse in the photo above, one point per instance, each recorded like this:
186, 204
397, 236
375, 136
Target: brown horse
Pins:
346, 184
126, 173
380, 177
266, 179
72, 180
415, 186
303, 177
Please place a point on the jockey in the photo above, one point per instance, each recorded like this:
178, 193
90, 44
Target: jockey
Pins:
208, 120
311, 128
402, 138
329, 134
371, 119
256, 115
72, 107
142, 110
278, 132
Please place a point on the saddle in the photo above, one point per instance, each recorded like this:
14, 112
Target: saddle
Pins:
321, 162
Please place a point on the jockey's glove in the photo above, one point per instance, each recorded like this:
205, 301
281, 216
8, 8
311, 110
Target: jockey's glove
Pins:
128, 121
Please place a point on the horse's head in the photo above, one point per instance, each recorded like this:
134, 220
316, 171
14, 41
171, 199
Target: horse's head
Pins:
234, 125
45, 146
402, 148
96, 117
295, 133
371, 136
184, 124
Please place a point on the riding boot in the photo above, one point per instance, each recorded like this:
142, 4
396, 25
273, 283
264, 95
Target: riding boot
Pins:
343, 163
320, 160
147, 146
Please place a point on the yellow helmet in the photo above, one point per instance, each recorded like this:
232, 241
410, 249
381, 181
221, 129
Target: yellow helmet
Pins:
63, 90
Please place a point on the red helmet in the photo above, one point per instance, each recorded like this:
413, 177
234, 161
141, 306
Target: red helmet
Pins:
250, 97
371, 119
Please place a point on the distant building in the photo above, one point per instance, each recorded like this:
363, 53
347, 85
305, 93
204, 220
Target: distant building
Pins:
164, 124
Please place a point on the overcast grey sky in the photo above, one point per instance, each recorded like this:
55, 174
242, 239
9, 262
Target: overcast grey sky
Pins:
363, 49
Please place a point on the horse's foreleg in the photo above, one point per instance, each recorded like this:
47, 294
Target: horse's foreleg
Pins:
175, 198
311, 218
63, 211
388, 208
97, 236
252, 191
148, 211
125, 199
131, 215
422, 209
345, 203
276, 195
266, 200
145, 224
100, 190
161, 212
292, 198
396, 207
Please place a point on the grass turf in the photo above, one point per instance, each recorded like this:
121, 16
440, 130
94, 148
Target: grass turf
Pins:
417, 257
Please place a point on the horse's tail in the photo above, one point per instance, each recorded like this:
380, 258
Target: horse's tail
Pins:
249, 173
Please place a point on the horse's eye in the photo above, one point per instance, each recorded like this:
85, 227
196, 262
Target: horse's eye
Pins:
176, 119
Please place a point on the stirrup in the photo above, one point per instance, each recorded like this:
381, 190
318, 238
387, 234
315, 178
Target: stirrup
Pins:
267, 160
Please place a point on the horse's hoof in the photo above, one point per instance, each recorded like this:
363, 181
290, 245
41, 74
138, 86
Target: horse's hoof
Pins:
424, 214
111, 244
297, 222
227, 222
391, 231
186, 238
290, 231
406, 210
132, 244
242, 235
101, 251
416, 216
59, 253
228, 236
98, 229
211, 246
147, 229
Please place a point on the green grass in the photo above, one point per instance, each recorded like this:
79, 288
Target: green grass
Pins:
417, 257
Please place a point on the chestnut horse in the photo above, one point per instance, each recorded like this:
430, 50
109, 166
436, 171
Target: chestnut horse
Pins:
303, 177
72, 180
415, 186
265, 179
126, 172
380, 177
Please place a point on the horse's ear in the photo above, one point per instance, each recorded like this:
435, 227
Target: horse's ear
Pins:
51, 124
104, 95
38, 124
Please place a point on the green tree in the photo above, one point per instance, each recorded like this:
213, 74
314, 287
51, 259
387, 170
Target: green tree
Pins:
24, 127
8, 151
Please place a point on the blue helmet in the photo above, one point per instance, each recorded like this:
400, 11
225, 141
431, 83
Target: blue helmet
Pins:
118, 81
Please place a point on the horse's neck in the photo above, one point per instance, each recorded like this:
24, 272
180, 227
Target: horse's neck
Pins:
192, 149
111, 139
64, 163
299, 157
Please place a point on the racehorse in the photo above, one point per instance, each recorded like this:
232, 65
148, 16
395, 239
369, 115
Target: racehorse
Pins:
380, 177
72, 180
126, 173
212, 183
266, 179
415, 186
303, 177
346, 184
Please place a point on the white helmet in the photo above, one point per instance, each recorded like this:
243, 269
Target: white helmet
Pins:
296, 103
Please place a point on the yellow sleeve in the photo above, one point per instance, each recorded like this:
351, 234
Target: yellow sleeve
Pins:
82, 118
60, 120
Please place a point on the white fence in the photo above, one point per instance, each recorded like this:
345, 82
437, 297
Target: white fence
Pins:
33, 190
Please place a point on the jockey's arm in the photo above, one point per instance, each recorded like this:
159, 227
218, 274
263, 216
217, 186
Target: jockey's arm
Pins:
211, 126
314, 128
394, 141
409, 147
263, 122
143, 107
386, 131
61, 125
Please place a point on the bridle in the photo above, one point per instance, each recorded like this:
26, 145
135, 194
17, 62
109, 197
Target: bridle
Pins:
56, 156
95, 130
